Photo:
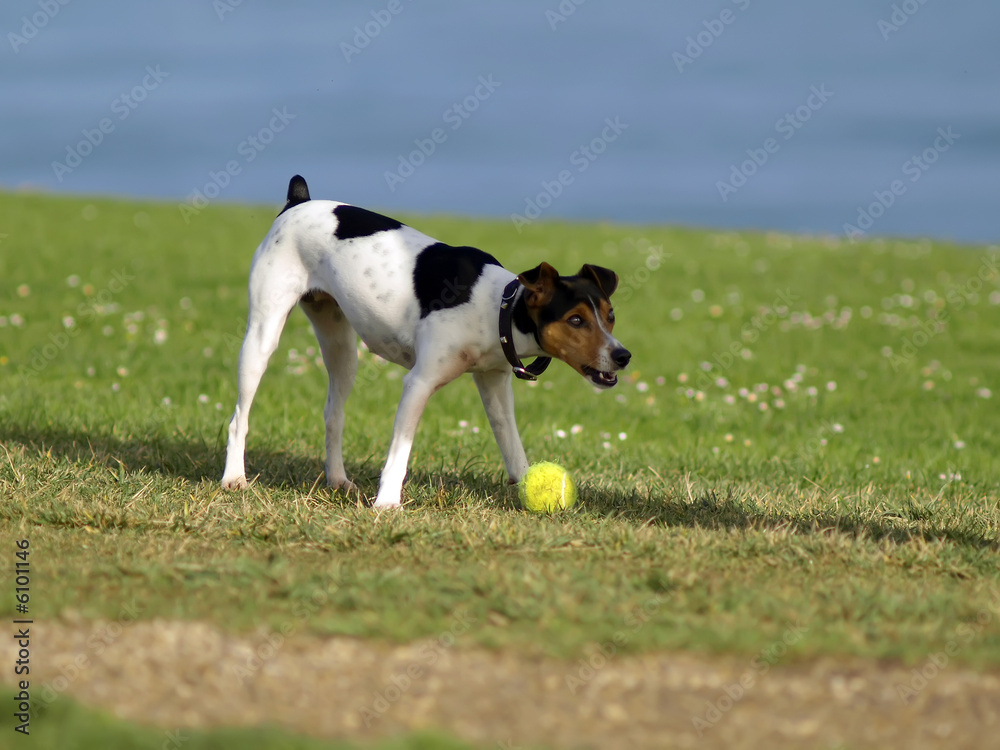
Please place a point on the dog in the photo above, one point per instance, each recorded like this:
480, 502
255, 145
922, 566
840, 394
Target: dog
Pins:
437, 310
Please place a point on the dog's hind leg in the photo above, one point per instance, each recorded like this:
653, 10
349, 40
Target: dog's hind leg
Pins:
338, 342
269, 309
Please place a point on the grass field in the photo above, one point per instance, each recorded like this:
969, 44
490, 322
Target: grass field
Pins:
808, 438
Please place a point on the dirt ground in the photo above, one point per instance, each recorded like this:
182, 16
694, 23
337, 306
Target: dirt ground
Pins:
184, 674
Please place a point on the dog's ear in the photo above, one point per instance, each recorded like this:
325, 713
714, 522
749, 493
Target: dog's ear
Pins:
540, 283
605, 278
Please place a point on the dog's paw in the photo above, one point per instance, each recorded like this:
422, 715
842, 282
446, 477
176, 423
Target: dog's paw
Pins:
344, 485
386, 503
235, 483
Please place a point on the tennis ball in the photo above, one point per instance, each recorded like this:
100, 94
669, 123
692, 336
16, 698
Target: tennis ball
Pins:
546, 487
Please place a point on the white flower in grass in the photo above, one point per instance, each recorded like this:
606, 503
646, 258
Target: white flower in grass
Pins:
959, 444
837, 427
68, 321
576, 429
606, 445
122, 372
729, 398
160, 336
642, 387
831, 386
561, 434
984, 393
73, 281
115, 387
622, 435
16, 320
166, 401
203, 399
779, 403
661, 380
812, 391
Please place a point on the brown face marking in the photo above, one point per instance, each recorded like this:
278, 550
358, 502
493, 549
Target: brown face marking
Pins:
578, 338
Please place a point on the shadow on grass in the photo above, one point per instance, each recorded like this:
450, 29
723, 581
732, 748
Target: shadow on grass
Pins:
711, 511
197, 461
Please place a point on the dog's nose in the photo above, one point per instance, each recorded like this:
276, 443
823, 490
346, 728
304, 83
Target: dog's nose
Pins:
621, 357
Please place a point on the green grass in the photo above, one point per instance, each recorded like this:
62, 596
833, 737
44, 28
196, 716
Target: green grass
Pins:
866, 510
66, 725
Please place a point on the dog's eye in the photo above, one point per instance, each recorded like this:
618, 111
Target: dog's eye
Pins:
576, 321
611, 316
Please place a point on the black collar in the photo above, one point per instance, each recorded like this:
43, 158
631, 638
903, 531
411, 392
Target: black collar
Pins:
536, 368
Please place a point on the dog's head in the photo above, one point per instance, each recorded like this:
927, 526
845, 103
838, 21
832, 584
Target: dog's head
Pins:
574, 319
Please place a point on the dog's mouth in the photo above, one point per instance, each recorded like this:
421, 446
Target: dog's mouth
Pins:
599, 378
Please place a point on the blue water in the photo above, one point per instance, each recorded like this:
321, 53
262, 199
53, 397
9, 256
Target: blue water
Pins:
352, 113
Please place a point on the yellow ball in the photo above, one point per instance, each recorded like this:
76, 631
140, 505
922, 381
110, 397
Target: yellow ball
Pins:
546, 487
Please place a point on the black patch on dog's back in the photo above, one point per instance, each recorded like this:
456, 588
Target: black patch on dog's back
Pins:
298, 192
444, 276
359, 222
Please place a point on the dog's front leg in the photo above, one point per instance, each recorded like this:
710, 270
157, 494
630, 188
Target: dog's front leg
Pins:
498, 400
417, 389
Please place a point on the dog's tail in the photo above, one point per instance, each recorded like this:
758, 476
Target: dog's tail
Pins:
298, 192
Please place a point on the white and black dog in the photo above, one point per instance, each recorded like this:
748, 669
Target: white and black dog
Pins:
437, 310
